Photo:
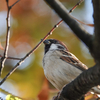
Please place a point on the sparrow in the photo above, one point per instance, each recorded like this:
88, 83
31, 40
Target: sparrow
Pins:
61, 66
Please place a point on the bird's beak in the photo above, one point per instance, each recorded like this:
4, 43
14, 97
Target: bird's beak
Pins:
46, 42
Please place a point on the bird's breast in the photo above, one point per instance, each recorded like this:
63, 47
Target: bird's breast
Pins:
57, 71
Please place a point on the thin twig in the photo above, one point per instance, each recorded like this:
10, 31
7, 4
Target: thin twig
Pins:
75, 27
3, 59
28, 54
14, 4
71, 10
76, 5
74, 8
13, 58
92, 25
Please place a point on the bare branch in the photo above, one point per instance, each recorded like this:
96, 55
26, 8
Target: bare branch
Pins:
96, 15
72, 10
91, 25
12, 58
85, 81
75, 27
14, 4
28, 54
3, 59
77, 88
76, 5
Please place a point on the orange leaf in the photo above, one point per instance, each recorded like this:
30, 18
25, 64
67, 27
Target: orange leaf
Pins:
1, 47
90, 96
44, 93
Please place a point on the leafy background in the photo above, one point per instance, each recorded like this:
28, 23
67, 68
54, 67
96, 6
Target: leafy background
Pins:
31, 20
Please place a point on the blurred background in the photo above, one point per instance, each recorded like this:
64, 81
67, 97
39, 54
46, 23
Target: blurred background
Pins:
31, 20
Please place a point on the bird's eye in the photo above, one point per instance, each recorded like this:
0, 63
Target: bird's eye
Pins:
60, 47
49, 42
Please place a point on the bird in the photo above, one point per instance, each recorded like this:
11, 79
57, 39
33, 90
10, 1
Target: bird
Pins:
60, 65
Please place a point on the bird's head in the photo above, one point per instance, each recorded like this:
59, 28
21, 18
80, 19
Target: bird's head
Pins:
53, 44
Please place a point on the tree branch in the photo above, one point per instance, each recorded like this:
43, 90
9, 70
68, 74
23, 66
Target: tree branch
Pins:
76, 5
28, 54
75, 27
81, 85
3, 59
96, 54
14, 4
12, 58
85, 81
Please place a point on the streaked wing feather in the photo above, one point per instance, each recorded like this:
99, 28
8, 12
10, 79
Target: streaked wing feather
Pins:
71, 59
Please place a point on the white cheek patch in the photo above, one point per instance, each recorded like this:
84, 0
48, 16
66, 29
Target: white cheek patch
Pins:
53, 47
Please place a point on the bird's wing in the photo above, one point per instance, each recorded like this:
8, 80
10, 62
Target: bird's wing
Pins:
73, 60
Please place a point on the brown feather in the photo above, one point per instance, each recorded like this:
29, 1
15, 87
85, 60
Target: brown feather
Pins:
71, 59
